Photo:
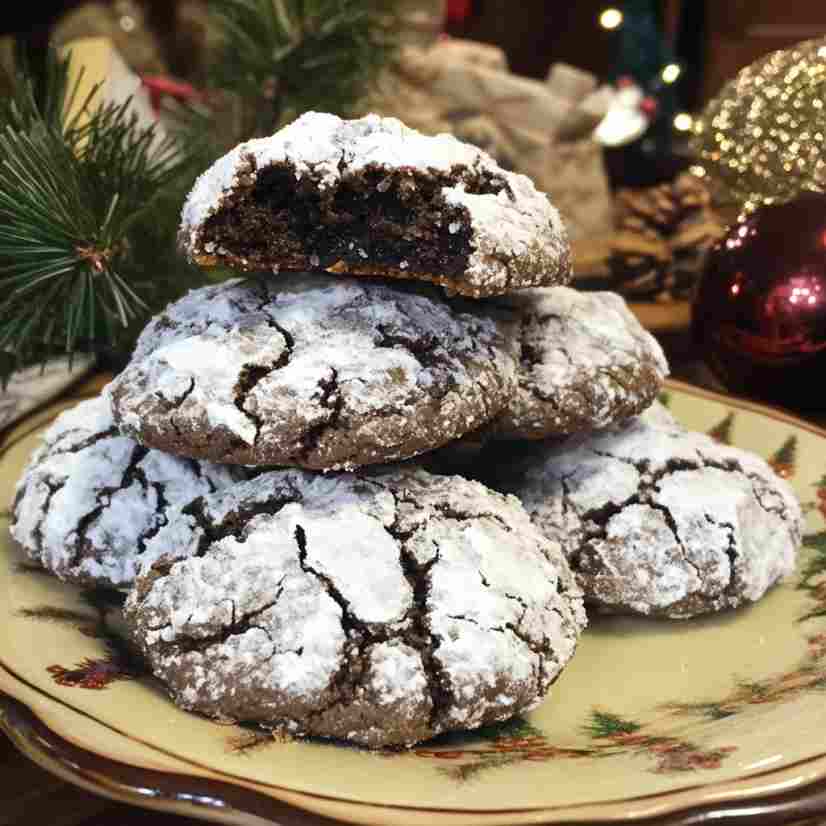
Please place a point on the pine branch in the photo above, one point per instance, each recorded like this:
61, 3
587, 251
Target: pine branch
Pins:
75, 196
89, 203
284, 57
44, 100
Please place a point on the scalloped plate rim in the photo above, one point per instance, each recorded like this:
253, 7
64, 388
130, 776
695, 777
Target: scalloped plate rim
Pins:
48, 749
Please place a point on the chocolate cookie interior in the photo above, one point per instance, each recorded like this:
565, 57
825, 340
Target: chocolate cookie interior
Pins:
397, 220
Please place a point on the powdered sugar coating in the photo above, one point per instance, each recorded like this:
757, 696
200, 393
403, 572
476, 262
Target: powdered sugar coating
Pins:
380, 607
659, 520
90, 498
518, 237
586, 362
314, 371
659, 415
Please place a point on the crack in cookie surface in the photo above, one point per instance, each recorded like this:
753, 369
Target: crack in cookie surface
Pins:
585, 363
659, 520
376, 561
322, 373
90, 499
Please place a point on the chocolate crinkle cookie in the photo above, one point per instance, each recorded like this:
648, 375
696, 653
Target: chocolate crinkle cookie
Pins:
661, 521
381, 609
90, 499
317, 372
585, 363
373, 197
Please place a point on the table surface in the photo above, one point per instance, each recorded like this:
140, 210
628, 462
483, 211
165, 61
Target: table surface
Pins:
29, 795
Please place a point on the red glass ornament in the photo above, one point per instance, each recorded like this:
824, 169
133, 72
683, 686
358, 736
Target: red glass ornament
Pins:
759, 316
458, 11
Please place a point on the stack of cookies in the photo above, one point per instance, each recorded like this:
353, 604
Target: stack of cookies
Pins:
263, 477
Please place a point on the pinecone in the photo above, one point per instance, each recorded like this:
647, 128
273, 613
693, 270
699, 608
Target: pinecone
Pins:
663, 236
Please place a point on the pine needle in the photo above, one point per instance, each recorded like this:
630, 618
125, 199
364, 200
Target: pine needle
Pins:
273, 52
90, 202
75, 271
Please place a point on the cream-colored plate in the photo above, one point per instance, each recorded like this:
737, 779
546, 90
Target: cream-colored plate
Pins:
651, 717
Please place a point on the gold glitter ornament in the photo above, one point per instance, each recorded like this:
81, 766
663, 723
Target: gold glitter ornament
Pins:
763, 138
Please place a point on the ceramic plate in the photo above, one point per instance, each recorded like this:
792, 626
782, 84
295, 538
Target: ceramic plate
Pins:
666, 720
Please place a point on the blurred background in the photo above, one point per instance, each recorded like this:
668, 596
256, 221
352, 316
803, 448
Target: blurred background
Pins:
602, 103
708, 40
714, 37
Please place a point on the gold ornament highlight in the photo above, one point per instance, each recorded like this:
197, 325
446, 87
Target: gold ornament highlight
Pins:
763, 137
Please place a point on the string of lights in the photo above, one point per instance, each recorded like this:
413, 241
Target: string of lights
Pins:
645, 55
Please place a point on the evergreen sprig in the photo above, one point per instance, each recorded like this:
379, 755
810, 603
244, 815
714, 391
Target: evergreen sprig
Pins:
75, 195
44, 98
284, 57
90, 199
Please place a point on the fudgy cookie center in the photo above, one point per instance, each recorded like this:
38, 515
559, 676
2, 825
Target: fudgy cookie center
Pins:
395, 219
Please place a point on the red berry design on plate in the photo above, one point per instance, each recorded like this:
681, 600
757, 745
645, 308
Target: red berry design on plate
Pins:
91, 673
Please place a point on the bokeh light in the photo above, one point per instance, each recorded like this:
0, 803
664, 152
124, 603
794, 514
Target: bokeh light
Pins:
610, 19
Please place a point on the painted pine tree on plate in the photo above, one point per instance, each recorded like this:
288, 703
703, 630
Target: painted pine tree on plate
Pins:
721, 432
783, 461
813, 575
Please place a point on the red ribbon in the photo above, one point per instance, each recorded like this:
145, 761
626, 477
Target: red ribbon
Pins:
160, 86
